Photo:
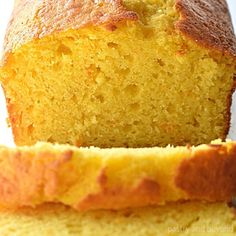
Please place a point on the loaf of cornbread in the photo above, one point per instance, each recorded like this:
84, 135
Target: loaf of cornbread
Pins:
116, 178
182, 219
132, 73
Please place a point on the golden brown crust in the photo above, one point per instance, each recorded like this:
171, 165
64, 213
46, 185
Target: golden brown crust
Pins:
145, 192
89, 179
35, 19
209, 174
208, 23
25, 170
33, 176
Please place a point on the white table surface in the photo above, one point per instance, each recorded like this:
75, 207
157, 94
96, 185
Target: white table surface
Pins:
5, 133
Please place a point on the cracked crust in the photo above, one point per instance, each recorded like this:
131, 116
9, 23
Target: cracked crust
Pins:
209, 174
206, 22
92, 178
35, 19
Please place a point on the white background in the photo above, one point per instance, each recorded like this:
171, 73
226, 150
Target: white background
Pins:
5, 11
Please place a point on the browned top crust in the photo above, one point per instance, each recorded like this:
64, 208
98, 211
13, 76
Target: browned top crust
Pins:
146, 192
36, 18
93, 178
208, 23
209, 174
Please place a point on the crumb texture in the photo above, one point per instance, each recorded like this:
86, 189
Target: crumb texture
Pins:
182, 219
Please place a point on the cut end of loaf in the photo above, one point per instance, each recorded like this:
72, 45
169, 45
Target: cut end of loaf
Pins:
142, 84
116, 178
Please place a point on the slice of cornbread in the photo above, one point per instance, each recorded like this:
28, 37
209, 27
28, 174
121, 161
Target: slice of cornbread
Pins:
93, 178
133, 73
182, 219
